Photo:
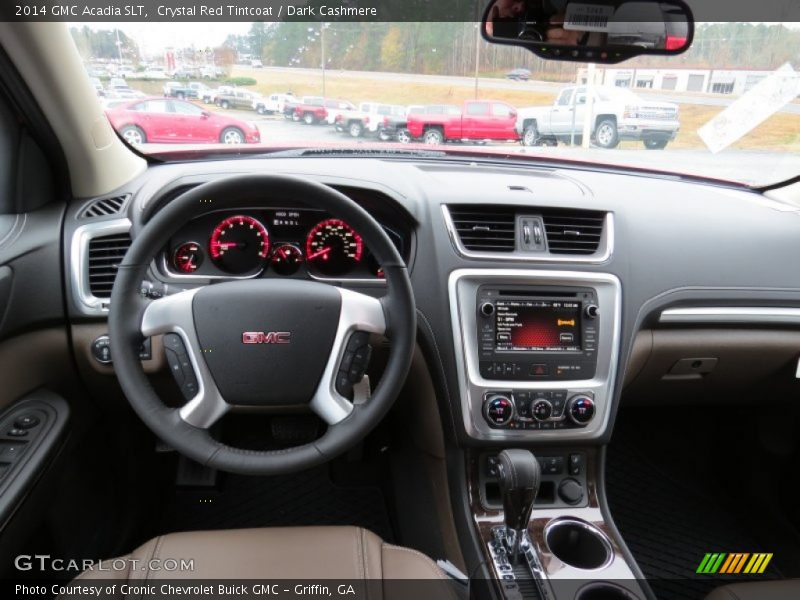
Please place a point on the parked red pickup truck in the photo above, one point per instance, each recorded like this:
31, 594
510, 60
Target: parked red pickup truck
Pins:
478, 120
311, 110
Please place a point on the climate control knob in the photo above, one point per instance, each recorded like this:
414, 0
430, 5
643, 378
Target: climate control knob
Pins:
498, 409
541, 409
580, 409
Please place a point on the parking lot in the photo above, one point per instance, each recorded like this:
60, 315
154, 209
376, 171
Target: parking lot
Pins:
748, 166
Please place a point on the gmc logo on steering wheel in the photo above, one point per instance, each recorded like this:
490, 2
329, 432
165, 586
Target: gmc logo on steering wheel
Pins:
268, 337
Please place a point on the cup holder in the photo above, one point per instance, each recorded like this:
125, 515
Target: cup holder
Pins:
602, 590
578, 544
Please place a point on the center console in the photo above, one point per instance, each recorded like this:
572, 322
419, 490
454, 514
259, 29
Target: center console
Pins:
567, 549
536, 351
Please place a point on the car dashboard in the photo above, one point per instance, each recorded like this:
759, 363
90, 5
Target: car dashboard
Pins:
491, 249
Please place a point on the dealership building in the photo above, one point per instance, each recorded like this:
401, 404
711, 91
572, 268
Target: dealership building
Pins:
712, 81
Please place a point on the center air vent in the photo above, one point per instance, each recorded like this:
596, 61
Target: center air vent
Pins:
104, 207
105, 255
485, 228
573, 231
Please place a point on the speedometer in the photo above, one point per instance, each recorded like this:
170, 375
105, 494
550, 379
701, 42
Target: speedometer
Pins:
333, 247
239, 245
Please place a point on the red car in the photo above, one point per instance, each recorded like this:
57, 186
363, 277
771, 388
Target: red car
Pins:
160, 120
478, 120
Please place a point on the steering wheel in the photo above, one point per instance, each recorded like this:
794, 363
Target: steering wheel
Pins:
309, 335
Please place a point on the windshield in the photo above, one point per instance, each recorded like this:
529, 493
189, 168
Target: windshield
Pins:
398, 85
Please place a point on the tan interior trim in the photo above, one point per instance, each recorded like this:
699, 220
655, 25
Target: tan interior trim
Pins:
32, 360
425, 429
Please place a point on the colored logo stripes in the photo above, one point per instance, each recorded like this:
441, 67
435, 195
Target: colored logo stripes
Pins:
734, 563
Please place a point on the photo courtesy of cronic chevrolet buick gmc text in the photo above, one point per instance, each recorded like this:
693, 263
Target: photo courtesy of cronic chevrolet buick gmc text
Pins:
483, 299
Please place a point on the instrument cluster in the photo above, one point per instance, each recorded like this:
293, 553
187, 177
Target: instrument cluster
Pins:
271, 242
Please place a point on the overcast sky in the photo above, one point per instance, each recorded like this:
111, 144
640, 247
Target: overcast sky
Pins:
154, 37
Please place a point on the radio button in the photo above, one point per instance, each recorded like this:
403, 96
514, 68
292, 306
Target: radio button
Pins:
558, 399
522, 400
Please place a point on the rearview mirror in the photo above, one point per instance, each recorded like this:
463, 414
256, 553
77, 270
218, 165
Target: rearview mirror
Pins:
602, 31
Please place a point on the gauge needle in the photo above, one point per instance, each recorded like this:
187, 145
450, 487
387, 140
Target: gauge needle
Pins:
226, 245
282, 252
319, 253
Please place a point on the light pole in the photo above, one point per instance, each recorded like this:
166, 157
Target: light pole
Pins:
477, 55
322, 52
119, 46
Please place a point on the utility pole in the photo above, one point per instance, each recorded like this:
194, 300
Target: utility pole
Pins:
119, 46
477, 55
322, 41
587, 120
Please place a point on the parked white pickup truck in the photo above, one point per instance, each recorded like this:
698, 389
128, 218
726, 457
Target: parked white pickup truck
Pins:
372, 118
273, 104
617, 114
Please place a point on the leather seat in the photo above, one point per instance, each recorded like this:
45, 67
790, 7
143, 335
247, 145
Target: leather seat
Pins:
779, 589
279, 553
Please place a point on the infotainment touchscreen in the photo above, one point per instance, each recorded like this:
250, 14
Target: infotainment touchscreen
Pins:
537, 325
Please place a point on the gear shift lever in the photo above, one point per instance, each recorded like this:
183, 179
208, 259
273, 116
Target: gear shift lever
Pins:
519, 474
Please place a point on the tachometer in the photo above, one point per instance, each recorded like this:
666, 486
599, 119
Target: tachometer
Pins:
333, 247
239, 245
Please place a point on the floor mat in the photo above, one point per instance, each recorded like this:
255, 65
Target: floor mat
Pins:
671, 520
306, 498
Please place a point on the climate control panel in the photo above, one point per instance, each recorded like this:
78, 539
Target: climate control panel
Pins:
538, 409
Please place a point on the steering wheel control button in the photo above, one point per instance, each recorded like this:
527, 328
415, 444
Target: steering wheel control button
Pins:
581, 409
354, 363
498, 410
180, 365
26, 422
359, 339
359, 364
17, 432
343, 385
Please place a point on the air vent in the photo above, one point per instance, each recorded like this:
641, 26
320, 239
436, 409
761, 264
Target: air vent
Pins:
485, 228
105, 255
573, 231
104, 207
